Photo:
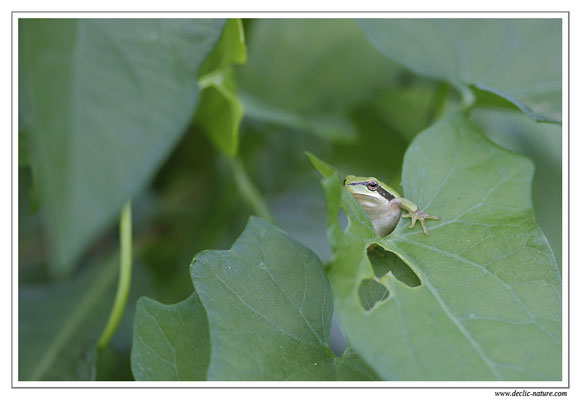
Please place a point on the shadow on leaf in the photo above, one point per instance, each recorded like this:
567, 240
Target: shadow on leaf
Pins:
371, 291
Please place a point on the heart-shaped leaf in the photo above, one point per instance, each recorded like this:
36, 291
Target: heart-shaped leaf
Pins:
489, 303
269, 308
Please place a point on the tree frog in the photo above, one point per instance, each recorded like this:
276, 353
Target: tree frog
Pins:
384, 205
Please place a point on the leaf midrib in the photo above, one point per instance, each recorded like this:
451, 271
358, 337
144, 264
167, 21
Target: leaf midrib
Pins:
487, 272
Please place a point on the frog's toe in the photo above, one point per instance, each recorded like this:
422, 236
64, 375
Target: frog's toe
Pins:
424, 227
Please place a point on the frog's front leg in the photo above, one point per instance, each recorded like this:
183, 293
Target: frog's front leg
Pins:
415, 214
421, 216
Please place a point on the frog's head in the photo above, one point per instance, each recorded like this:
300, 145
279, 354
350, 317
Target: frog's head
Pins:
369, 190
364, 187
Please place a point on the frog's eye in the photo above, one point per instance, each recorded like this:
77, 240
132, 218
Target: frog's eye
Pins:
372, 185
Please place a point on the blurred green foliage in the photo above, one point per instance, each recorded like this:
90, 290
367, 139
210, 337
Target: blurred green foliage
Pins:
495, 56
112, 109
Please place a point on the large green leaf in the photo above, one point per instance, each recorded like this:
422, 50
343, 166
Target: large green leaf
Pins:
170, 342
269, 308
489, 303
516, 59
306, 73
108, 100
59, 325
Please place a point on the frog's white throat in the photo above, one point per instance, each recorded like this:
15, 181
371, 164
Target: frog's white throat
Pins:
383, 214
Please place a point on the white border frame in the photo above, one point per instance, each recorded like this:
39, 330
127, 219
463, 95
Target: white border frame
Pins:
503, 385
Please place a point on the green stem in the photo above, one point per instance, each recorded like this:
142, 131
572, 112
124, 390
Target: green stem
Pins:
248, 190
124, 277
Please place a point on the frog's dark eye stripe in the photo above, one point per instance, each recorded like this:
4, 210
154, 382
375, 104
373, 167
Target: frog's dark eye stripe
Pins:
384, 193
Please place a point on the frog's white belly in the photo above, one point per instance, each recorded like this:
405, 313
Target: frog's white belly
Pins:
382, 214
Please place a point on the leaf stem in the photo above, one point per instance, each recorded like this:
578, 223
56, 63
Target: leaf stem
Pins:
124, 277
248, 190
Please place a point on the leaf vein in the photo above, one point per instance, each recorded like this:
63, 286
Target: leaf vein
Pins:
479, 350
494, 276
299, 310
158, 355
284, 331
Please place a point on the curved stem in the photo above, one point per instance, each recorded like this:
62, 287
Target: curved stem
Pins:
124, 277
248, 190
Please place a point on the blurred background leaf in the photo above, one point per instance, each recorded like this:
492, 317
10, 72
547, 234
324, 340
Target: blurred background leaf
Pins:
306, 74
516, 59
108, 100
59, 325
